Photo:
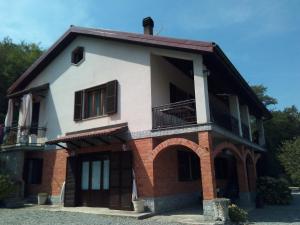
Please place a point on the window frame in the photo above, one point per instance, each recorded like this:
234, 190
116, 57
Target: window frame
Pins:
108, 101
101, 89
33, 171
75, 50
193, 165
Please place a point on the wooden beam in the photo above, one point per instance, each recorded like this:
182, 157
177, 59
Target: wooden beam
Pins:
88, 142
29, 90
70, 142
104, 141
59, 145
119, 138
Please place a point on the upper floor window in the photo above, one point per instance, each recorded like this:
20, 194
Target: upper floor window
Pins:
77, 55
96, 101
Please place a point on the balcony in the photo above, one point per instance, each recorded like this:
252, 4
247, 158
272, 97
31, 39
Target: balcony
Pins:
225, 120
23, 136
174, 114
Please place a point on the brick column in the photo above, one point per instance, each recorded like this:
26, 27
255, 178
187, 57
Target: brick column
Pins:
207, 167
245, 199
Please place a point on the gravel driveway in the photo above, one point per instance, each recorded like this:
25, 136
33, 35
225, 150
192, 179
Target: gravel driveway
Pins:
278, 215
275, 215
34, 215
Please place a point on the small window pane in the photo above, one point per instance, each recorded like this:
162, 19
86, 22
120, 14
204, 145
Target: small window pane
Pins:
97, 103
106, 174
96, 175
85, 176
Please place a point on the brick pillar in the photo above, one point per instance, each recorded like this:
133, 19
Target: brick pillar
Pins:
143, 168
245, 198
207, 167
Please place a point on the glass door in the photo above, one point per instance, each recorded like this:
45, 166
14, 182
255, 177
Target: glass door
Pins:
94, 186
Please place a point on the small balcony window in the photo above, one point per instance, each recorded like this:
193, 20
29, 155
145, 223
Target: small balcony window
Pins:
77, 55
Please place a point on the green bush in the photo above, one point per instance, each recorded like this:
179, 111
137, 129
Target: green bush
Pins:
289, 157
6, 186
274, 191
237, 214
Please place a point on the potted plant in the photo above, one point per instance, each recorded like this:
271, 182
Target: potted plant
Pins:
42, 198
138, 205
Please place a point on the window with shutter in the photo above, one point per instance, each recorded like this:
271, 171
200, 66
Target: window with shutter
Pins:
111, 97
78, 105
96, 101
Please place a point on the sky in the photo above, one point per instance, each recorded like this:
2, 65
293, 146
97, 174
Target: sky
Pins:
260, 37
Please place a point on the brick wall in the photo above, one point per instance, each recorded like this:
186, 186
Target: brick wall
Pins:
54, 172
166, 176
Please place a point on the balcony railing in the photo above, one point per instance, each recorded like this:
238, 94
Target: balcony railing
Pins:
23, 136
225, 120
245, 130
174, 114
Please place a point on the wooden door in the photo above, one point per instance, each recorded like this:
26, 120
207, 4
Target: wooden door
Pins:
121, 180
94, 182
70, 196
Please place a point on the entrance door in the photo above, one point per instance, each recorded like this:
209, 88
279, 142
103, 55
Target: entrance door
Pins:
94, 182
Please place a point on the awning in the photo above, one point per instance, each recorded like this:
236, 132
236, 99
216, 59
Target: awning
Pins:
91, 137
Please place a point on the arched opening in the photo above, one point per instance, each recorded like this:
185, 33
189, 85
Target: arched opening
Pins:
250, 173
235, 182
226, 175
177, 178
260, 167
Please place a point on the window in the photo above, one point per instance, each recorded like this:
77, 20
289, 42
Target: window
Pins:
96, 101
35, 171
221, 168
188, 166
77, 55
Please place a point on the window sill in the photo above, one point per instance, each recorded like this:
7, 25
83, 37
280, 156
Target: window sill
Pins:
91, 118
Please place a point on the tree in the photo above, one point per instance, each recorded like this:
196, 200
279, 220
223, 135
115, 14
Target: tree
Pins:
284, 126
14, 60
260, 90
289, 157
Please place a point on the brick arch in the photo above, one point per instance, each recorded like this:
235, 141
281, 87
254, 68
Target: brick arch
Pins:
250, 154
219, 148
178, 142
256, 158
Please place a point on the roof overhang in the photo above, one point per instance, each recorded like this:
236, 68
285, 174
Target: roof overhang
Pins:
205, 48
91, 137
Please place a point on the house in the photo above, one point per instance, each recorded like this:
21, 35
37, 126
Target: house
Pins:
100, 105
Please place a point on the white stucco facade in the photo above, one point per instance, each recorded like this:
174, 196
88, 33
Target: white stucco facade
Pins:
143, 77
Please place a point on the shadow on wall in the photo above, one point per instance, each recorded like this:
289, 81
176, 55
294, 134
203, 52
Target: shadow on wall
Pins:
54, 172
166, 174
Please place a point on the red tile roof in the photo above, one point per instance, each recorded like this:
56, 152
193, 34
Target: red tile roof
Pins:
89, 134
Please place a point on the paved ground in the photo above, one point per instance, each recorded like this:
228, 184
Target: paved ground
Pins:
277, 215
33, 215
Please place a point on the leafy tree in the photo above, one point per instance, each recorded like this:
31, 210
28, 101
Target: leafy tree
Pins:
14, 60
260, 90
289, 157
285, 125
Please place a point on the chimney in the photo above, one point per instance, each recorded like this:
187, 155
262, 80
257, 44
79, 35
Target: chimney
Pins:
148, 25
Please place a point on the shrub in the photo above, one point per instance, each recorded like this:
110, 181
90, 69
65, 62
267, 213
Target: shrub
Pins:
289, 157
237, 214
6, 186
274, 191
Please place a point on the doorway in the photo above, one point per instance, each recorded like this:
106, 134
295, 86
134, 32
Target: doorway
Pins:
94, 180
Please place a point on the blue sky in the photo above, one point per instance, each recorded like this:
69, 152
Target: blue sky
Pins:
261, 37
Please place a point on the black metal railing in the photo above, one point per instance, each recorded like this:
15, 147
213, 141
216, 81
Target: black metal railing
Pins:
174, 114
32, 135
246, 132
